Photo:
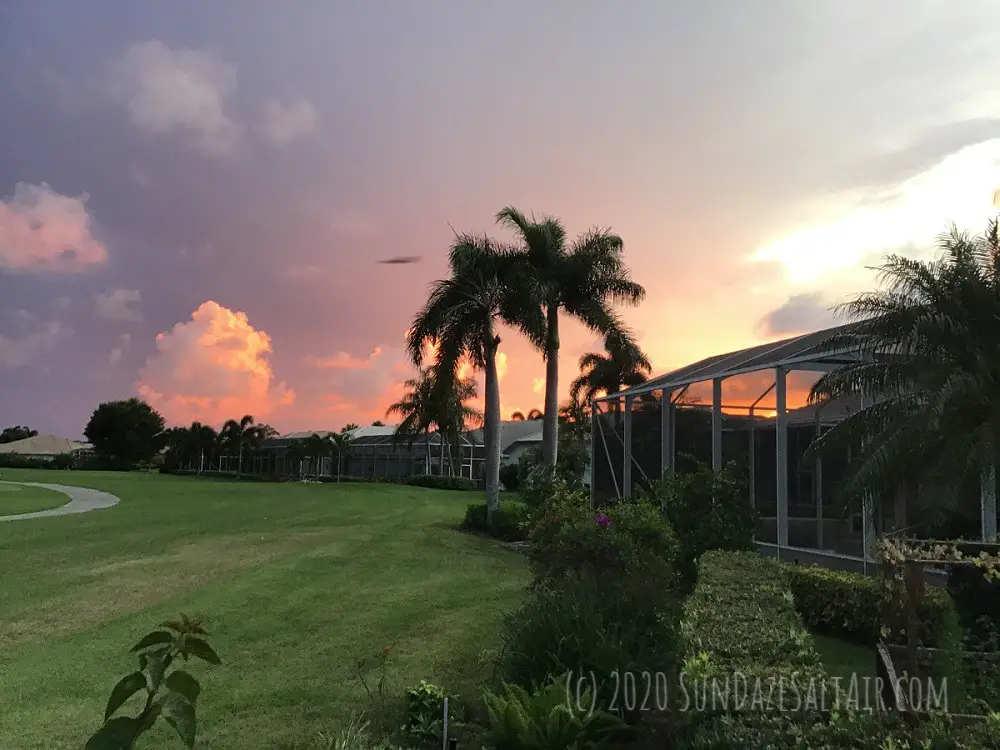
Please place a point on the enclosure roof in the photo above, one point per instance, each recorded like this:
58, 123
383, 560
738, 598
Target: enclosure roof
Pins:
43, 445
808, 349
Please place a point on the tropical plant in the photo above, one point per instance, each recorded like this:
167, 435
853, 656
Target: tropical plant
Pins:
297, 452
927, 374
125, 432
546, 720
520, 416
378, 423
171, 693
349, 427
623, 365
416, 410
237, 436
583, 280
318, 447
203, 440
488, 285
454, 416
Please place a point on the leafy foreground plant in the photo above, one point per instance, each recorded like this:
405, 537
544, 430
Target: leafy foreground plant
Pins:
171, 693
547, 720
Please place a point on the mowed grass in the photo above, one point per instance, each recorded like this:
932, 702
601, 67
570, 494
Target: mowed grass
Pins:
295, 582
16, 498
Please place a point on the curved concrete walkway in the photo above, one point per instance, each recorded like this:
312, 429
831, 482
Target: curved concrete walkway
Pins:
81, 500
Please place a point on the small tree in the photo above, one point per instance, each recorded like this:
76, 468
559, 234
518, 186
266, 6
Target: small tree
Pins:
125, 432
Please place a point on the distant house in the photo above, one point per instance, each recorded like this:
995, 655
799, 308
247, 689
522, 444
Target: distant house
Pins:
44, 447
516, 439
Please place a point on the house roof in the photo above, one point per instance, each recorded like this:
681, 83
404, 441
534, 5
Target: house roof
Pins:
812, 349
43, 445
511, 432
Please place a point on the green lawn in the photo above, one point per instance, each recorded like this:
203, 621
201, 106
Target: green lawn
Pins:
294, 581
19, 499
843, 659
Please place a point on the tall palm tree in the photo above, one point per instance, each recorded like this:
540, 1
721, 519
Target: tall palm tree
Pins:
584, 280
237, 436
623, 365
341, 445
929, 373
297, 452
489, 284
417, 412
519, 416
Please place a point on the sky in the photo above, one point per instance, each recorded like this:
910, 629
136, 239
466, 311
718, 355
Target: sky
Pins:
195, 196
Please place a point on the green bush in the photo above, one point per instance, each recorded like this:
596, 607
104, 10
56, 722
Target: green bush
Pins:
741, 617
851, 606
840, 731
591, 628
510, 521
475, 518
510, 477
544, 720
436, 482
425, 712
621, 540
708, 510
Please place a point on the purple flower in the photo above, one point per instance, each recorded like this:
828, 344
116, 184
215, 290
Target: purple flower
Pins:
603, 520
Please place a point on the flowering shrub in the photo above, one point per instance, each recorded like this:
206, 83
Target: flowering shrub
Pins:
625, 539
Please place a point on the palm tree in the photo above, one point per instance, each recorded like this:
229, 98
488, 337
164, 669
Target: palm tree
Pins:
378, 423
583, 280
454, 416
623, 365
489, 284
202, 438
237, 436
349, 426
416, 410
928, 374
297, 452
341, 444
318, 447
519, 416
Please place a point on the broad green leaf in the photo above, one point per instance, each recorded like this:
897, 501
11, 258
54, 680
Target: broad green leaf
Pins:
156, 638
179, 713
201, 649
116, 734
127, 686
183, 683
154, 664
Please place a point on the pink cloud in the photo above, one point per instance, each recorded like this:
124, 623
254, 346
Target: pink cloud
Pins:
42, 230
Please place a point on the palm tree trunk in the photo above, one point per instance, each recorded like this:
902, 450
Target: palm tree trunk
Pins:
550, 420
201, 465
491, 431
427, 446
239, 466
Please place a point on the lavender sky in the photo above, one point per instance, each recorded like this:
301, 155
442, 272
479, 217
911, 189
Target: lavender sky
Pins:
196, 195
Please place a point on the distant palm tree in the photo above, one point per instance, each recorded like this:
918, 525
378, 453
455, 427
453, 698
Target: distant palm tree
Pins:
378, 423
297, 452
454, 416
929, 374
349, 426
237, 436
202, 439
318, 447
624, 365
583, 280
417, 412
342, 445
488, 285
517, 416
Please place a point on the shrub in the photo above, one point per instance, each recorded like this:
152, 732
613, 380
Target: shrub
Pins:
850, 606
425, 712
741, 617
623, 539
708, 510
509, 477
170, 692
590, 628
509, 522
436, 482
544, 720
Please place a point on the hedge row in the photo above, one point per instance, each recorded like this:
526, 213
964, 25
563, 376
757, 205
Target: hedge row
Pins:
740, 618
431, 481
850, 606
509, 522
